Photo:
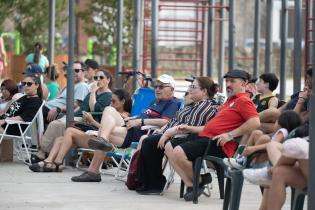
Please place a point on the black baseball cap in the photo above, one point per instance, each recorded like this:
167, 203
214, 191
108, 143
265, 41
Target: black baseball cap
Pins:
237, 73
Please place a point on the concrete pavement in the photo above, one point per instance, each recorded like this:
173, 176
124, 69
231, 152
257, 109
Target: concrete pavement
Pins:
22, 189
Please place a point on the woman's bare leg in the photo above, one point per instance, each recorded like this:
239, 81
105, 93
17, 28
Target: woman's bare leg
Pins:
55, 149
281, 177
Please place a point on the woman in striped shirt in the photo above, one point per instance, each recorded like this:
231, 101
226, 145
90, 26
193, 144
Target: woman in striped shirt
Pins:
203, 109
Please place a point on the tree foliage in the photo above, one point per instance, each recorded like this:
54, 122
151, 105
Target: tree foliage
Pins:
30, 18
100, 23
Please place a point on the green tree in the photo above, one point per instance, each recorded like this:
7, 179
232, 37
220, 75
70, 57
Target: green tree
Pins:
30, 18
100, 23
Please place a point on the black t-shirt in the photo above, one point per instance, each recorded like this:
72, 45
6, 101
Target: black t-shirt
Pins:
26, 107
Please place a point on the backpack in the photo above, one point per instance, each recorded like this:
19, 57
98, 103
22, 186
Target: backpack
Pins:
132, 178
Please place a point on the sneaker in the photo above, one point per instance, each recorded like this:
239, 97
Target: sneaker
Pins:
100, 144
258, 176
87, 176
235, 163
189, 195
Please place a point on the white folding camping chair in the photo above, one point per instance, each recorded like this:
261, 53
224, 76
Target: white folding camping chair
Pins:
28, 141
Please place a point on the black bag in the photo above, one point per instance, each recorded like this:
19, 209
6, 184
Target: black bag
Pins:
132, 178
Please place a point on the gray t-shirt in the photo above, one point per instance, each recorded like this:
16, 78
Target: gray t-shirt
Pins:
80, 91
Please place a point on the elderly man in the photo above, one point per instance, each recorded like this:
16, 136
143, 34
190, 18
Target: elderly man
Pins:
114, 131
236, 117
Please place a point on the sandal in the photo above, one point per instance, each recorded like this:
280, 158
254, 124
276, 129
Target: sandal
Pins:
38, 168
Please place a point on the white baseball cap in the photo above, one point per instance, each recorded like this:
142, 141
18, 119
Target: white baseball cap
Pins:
166, 79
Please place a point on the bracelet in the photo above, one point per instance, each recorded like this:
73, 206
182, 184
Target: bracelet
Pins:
142, 122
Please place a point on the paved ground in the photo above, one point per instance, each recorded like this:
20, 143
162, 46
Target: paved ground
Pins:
22, 189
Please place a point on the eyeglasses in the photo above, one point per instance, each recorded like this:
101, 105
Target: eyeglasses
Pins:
77, 70
160, 86
98, 78
29, 84
193, 86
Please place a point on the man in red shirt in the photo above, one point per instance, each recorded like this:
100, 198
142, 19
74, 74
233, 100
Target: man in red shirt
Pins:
236, 117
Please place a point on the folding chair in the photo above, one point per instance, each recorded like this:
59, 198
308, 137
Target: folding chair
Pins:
30, 137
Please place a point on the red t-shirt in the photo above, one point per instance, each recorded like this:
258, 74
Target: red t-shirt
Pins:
233, 113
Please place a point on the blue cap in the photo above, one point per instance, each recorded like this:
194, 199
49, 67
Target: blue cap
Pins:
32, 69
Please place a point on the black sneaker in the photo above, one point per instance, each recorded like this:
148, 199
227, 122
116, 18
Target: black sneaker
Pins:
100, 144
87, 177
189, 195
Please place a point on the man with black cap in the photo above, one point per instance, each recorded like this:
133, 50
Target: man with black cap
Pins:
91, 68
236, 117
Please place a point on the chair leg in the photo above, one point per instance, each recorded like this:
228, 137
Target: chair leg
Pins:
297, 199
220, 174
182, 186
237, 180
196, 175
227, 194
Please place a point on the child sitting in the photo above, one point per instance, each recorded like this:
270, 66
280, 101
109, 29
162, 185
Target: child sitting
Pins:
257, 141
266, 84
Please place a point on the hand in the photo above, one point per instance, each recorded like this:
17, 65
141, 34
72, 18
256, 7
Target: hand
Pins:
94, 87
248, 150
2, 122
52, 115
87, 117
184, 128
222, 139
162, 141
133, 123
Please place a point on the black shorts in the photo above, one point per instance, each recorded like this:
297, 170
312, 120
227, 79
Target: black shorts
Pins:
194, 146
133, 135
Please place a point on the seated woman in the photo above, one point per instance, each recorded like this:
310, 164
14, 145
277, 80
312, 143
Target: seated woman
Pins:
99, 97
203, 109
51, 75
8, 89
73, 137
25, 108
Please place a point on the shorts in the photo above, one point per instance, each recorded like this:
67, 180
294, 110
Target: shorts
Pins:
296, 148
133, 135
194, 146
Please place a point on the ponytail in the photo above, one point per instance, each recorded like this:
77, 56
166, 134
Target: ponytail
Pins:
37, 53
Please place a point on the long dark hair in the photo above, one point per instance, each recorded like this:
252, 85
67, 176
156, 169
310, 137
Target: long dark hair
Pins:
52, 72
122, 94
289, 120
109, 76
208, 84
37, 51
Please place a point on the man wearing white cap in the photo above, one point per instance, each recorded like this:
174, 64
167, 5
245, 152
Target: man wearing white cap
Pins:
114, 130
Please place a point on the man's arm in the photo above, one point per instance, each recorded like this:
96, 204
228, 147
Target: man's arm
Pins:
246, 128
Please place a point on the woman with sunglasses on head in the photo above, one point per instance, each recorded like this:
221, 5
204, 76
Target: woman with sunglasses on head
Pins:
73, 137
26, 107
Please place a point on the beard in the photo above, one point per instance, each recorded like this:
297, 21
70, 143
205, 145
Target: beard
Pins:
229, 92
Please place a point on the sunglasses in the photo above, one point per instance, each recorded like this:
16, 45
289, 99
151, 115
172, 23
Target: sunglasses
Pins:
193, 86
29, 84
77, 70
160, 86
99, 77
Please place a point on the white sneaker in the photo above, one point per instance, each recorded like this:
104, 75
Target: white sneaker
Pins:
257, 176
235, 163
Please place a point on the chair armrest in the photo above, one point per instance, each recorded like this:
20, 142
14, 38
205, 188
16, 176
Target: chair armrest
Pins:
149, 127
17, 122
216, 160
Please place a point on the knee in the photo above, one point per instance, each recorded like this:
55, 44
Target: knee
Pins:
257, 132
168, 149
178, 153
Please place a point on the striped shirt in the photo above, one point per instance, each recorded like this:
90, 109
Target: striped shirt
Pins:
196, 114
